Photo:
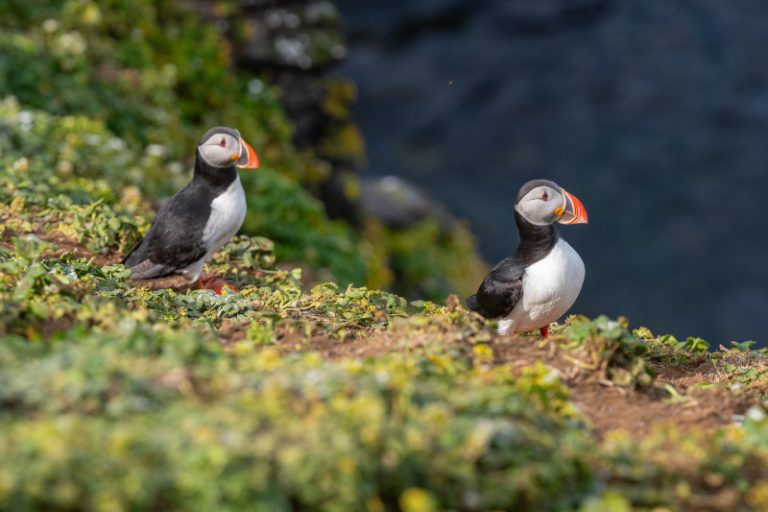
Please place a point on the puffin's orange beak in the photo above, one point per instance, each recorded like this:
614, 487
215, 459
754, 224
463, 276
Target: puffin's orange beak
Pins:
247, 159
573, 211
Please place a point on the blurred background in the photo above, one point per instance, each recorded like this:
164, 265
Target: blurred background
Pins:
395, 134
653, 112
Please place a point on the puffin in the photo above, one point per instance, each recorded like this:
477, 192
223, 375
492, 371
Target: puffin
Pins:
542, 279
203, 216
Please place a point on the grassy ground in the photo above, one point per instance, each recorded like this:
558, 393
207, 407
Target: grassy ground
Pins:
119, 395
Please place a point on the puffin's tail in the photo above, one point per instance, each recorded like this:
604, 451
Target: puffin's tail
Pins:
471, 302
141, 266
136, 255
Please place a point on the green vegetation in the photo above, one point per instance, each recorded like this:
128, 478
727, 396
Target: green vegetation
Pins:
289, 394
117, 397
92, 96
196, 428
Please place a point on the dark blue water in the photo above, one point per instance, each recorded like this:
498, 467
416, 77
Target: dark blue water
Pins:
653, 112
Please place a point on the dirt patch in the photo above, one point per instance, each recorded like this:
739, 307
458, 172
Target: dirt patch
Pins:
332, 348
175, 283
65, 245
360, 346
370, 345
675, 398
639, 412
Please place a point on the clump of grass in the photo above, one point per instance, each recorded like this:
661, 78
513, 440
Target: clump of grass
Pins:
607, 350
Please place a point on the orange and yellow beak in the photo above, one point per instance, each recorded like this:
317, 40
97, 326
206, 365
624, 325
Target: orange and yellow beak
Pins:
247, 158
573, 211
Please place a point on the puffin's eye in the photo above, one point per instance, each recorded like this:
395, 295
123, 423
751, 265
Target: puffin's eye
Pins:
545, 196
223, 142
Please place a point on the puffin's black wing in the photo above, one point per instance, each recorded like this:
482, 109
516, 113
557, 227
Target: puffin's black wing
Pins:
500, 292
173, 242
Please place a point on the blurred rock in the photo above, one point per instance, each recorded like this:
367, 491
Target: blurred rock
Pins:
303, 34
399, 204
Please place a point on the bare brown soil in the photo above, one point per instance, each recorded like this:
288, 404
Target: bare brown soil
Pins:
65, 245
674, 398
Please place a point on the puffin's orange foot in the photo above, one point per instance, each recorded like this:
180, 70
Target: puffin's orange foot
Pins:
544, 331
216, 284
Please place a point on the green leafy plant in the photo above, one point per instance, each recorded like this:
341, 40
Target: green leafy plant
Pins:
609, 349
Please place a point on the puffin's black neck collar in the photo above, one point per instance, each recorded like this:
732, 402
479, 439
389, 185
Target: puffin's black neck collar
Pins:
535, 241
216, 177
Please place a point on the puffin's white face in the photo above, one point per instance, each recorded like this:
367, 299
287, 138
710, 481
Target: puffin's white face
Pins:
546, 202
225, 148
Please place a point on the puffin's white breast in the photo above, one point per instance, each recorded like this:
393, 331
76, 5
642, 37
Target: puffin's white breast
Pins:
550, 287
227, 215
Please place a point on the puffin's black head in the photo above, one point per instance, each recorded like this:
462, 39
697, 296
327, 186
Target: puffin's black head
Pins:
224, 147
542, 202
